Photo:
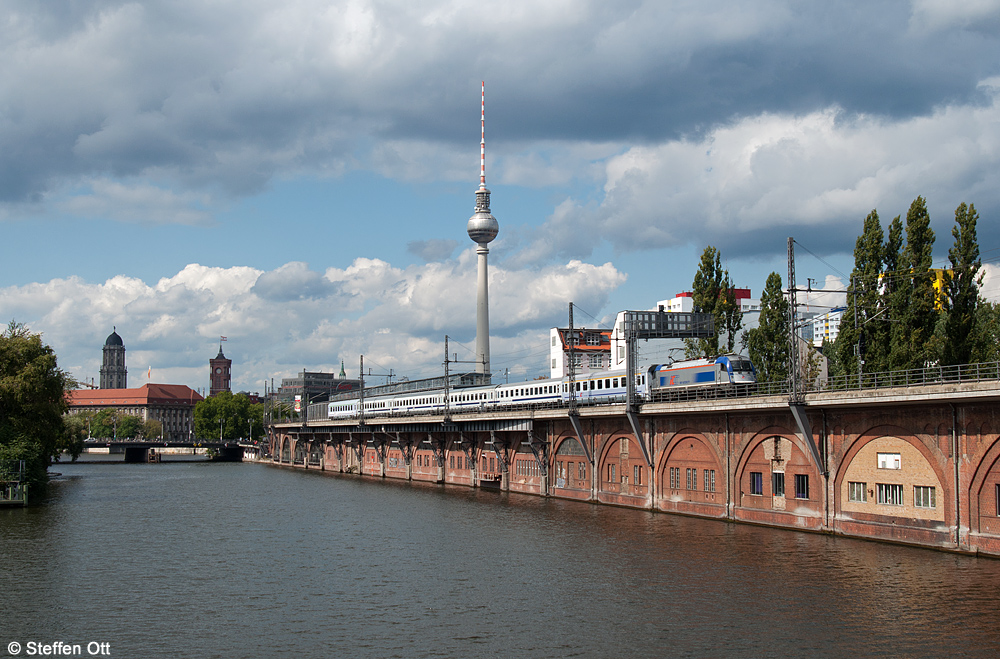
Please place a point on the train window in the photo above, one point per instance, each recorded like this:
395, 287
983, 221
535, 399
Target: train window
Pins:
607, 384
600, 385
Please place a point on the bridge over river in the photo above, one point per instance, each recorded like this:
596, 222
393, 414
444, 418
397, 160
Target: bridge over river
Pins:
911, 457
152, 451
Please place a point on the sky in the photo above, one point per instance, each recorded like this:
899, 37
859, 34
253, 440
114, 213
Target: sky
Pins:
297, 176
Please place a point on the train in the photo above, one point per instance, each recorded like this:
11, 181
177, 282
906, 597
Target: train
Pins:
727, 372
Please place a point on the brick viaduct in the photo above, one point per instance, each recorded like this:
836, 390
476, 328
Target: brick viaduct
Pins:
917, 465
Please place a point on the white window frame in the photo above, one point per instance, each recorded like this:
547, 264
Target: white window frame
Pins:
924, 496
890, 461
889, 494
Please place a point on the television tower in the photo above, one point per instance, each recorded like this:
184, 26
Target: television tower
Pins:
483, 228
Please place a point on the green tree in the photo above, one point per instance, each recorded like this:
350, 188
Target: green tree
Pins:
913, 328
232, 414
893, 300
728, 313
859, 323
151, 429
986, 334
712, 292
32, 403
75, 431
111, 423
767, 344
962, 287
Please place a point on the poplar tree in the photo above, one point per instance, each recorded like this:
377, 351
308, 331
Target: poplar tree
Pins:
962, 286
767, 344
986, 334
728, 312
858, 337
893, 299
712, 292
705, 292
917, 300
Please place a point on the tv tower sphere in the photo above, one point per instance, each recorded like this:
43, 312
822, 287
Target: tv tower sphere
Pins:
483, 227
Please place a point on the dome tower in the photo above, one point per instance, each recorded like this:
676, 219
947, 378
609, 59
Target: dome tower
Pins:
114, 375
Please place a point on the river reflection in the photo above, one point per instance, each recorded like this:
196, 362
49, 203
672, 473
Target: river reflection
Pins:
229, 560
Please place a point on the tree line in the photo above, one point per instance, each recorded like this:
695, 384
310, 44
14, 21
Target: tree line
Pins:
901, 312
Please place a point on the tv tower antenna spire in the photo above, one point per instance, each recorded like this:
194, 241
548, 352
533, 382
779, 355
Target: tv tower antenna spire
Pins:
482, 143
483, 228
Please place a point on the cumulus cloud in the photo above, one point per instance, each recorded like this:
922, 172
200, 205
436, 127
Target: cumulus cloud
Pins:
747, 185
140, 204
293, 281
281, 321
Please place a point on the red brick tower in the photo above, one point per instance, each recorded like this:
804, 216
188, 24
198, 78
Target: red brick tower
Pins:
220, 372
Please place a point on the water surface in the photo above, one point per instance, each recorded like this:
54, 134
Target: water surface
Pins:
199, 559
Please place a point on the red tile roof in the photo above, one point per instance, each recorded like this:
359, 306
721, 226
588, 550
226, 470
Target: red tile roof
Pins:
147, 394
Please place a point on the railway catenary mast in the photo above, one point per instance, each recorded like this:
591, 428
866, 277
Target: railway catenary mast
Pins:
483, 228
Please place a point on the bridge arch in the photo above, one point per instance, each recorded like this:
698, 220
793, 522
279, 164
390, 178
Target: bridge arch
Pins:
316, 453
691, 470
776, 472
286, 449
300, 451
984, 493
621, 466
887, 473
570, 469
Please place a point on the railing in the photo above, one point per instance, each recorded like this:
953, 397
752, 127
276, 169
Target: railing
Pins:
13, 489
964, 373
915, 377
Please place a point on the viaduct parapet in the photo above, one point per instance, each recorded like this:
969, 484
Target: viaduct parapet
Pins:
915, 465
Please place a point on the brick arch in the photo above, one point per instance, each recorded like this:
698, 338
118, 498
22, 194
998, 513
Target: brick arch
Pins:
625, 463
982, 516
575, 449
316, 450
286, 449
689, 449
566, 451
299, 451
877, 432
796, 465
935, 462
751, 444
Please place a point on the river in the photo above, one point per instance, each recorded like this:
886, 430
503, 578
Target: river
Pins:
196, 559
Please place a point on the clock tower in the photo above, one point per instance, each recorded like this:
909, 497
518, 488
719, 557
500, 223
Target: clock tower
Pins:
220, 372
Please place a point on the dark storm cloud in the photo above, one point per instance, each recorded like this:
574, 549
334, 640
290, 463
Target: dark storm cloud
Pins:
729, 122
230, 93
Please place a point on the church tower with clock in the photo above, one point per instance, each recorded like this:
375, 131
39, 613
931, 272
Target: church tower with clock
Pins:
220, 372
